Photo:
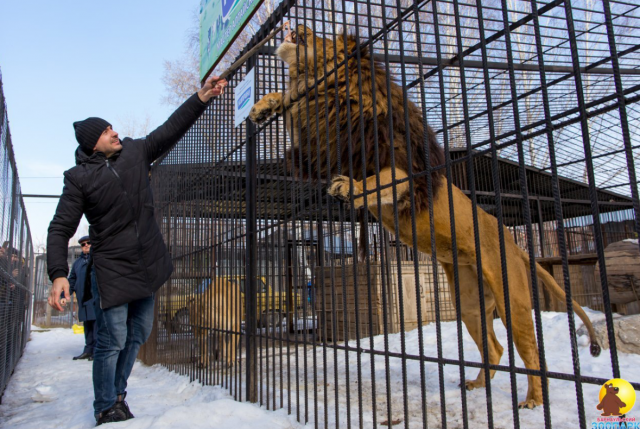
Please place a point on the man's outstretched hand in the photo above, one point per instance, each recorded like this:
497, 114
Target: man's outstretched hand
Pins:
60, 284
212, 88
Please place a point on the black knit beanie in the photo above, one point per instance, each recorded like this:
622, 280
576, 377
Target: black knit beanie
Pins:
88, 132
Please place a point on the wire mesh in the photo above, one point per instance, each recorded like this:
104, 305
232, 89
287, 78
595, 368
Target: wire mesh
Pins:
294, 299
16, 257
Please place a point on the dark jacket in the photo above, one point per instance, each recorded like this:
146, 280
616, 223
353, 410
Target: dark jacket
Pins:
77, 279
129, 255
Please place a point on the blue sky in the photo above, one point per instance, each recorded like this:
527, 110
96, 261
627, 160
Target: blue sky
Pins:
67, 60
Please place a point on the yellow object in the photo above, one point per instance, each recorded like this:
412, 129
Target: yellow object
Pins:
625, 392
77, 329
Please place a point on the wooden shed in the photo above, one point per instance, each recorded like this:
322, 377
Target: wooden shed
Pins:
337, 287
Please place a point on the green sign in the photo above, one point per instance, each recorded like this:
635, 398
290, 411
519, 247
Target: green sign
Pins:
220, 23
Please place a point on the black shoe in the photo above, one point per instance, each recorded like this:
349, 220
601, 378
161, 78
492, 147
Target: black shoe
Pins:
124, 406
84, 355
113, 414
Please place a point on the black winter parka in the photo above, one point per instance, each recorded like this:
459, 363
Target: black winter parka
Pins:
129, 255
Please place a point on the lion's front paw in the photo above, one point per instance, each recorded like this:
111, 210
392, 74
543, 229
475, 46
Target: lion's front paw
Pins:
259, 114
263, 109
339, 188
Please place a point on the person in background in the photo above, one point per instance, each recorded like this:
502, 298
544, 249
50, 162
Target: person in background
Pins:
18, 267
4, 261
14, 276
86, 314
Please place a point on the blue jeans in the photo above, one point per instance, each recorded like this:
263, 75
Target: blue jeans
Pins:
89, 336
121, 330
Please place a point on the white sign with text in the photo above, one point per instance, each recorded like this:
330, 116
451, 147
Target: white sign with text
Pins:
244, 97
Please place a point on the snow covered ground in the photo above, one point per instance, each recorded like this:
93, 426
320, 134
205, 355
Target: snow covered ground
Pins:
49, 390
332, 377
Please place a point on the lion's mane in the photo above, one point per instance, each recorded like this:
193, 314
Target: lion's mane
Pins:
325, 120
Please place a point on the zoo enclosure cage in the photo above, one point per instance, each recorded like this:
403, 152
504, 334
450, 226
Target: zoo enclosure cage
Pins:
536, 106
16, 258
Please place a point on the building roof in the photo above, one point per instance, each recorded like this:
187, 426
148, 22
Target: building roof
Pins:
221, 189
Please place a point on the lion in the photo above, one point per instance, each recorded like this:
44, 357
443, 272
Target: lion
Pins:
217, 311
326, 111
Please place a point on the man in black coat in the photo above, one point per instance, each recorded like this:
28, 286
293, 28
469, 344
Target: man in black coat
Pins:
110, 186
86, 314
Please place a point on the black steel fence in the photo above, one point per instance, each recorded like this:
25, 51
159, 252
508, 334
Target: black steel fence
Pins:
16, 257
473, 138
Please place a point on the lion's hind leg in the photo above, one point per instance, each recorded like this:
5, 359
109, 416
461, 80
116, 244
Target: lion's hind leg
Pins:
198, 322
202, 339
231, 344
522, 327
472, 316
227, 338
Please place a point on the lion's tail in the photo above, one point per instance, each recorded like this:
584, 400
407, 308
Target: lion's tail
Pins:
553, 287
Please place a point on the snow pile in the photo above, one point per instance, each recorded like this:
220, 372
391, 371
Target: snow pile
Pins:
44, 393
631, 240
50, 390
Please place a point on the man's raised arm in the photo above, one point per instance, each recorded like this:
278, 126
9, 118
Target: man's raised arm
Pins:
163, 138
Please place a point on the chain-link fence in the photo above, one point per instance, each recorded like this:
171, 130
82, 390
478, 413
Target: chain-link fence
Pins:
417, 169
16, 257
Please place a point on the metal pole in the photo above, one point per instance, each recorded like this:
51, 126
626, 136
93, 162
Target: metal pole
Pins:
250, 275
541, 228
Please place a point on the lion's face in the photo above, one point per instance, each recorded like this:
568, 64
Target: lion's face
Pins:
301, 45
